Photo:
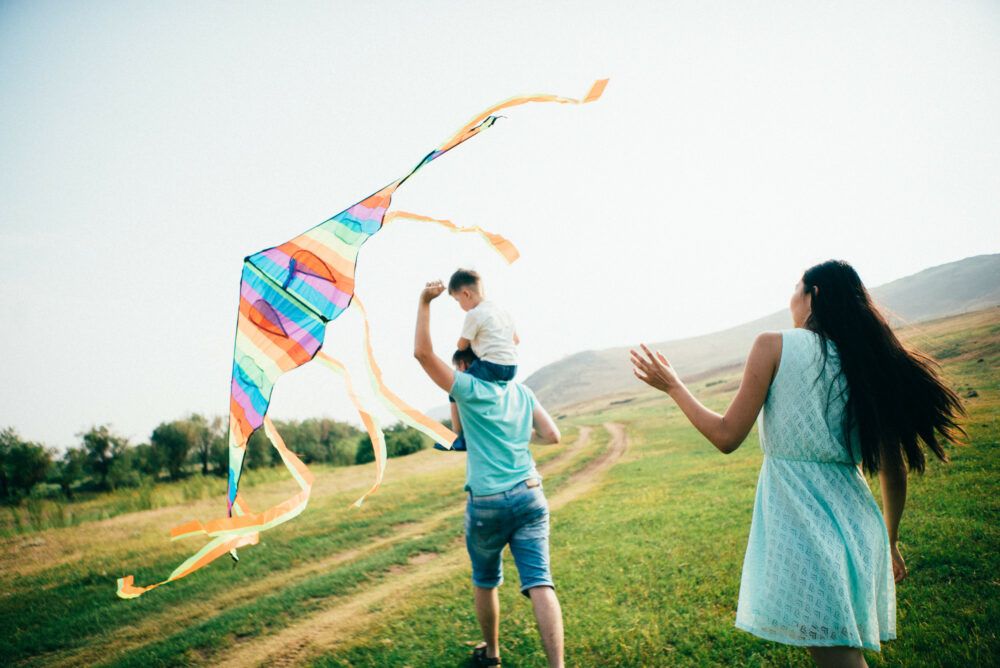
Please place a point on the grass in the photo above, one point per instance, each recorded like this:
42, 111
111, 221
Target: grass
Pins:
647, 566
40, 513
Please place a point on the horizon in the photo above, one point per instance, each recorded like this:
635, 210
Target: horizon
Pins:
440, 411
146, 154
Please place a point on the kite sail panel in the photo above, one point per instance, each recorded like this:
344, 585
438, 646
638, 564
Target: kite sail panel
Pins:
288, 294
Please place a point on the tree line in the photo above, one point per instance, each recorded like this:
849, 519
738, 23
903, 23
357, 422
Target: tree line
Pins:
105, 460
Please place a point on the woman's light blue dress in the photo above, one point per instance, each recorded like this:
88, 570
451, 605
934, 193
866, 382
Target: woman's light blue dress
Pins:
817, 569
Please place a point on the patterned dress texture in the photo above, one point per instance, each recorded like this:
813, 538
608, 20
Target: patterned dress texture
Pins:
817, 570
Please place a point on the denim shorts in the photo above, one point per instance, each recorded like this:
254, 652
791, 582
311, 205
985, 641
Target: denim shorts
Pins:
518, 517
491, 371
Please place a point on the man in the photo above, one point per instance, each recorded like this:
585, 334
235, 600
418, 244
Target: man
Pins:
506, 505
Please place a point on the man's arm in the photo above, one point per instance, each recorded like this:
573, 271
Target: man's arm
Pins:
544, 431
439, 371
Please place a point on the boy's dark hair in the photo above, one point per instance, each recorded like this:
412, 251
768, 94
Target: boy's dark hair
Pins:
466, 356
464, 278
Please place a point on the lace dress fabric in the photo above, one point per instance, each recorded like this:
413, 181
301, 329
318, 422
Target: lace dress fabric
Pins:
817, 570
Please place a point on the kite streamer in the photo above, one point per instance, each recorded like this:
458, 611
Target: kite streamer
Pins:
288, 294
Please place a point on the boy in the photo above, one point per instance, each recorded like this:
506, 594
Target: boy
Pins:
461, 361
488, 329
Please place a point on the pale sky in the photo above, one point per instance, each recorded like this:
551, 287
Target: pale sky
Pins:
147, 147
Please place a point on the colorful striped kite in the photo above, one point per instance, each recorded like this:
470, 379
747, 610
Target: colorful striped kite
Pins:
288, 294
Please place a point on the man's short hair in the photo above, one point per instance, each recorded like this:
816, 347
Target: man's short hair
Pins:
464, 278
465, 356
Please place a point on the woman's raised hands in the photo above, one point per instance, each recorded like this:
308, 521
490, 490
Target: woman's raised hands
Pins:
654, 370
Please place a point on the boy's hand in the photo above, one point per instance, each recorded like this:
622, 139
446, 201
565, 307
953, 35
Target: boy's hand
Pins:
431, 291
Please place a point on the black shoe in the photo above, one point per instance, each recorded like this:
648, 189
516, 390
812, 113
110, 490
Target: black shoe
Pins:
479, 658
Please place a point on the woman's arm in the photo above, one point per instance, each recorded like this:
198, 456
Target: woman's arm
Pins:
892, 476
725, 432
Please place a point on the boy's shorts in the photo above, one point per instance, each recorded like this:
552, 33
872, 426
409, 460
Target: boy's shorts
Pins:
491, 372
518, 517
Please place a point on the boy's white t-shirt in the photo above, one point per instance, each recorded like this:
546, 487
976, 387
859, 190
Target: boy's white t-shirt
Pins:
490, 330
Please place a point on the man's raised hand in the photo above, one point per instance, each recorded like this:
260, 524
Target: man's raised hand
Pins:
432, 291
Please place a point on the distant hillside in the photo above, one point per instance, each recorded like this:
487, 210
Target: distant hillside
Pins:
957, 287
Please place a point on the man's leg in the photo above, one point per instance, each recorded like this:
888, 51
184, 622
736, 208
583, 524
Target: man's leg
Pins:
488, 614
485, 540
548, 614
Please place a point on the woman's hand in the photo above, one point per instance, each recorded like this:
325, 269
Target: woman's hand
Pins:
898, 566
431, 291
655, 370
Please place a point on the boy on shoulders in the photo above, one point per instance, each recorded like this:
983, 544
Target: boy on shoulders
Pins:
488, 329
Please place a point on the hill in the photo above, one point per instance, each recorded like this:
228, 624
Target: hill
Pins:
948, 289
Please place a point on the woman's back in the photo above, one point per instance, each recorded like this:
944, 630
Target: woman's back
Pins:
803, 414
817, 569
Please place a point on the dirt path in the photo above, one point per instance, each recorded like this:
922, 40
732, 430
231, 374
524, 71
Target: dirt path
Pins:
585, 480
566, 457
346, 617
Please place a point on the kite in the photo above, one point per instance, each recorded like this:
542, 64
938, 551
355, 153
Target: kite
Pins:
288, 295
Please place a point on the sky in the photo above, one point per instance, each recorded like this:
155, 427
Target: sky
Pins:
146, 148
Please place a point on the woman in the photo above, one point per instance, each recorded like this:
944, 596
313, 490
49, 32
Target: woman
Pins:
839, 392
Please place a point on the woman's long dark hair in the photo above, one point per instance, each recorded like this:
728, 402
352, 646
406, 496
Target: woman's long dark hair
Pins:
896, 397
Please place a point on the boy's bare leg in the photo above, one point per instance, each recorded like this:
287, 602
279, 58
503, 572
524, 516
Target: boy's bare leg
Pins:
838, 657
488, 614
548, 614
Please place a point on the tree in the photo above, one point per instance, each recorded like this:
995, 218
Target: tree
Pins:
24, 464
122, 472
304, 439
400, 440
258, 454
148, 460
365, 452
339, 441
69, 470
204, 434
173, 441
8, 439
220, 454
102, 448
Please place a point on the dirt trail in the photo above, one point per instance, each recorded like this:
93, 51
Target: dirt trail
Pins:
346, 617
585, 480
151, 627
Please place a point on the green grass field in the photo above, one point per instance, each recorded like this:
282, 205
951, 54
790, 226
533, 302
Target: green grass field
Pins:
647, 545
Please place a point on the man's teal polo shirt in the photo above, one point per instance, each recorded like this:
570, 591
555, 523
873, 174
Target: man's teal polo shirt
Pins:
496, 423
